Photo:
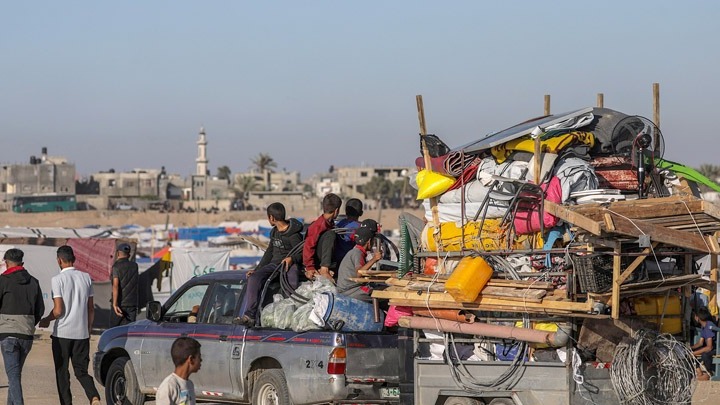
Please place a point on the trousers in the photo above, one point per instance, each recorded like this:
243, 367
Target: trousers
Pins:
15, 351
77, 352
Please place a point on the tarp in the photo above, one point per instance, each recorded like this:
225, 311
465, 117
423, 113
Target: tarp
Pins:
94, 256
193, 262
200, 233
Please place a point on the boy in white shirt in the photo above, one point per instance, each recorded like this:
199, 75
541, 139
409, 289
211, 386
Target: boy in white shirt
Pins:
177, 389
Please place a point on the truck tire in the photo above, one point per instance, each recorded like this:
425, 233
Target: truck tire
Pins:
121, 385
502, 401
462, 401
271, 389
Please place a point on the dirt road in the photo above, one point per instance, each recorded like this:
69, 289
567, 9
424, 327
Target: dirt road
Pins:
39, 379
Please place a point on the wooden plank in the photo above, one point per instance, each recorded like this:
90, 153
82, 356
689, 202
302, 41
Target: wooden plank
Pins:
495, 282
526, 293
484, 307
434, 298
711, 209
660, 234
617, 267
636, 263
572, 217
648, 208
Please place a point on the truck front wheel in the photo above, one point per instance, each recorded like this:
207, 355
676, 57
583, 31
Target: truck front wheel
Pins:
271, 389
121, 385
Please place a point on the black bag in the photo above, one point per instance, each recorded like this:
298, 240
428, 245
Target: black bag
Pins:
435, 146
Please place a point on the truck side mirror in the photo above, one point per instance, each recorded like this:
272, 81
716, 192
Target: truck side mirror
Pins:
153, 311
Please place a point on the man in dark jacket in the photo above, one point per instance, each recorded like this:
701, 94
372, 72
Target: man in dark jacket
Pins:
124, 286
21, 308
285, 236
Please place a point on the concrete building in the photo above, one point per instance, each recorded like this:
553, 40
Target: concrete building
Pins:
292, 200
43, 175
272, 181
134, 184
352, 179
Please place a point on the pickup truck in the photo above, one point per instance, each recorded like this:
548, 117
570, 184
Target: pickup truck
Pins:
244, 365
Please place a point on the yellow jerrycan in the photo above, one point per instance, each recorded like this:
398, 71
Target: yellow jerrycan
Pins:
468, 279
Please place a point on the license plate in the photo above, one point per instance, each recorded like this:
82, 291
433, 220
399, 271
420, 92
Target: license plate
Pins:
390, 392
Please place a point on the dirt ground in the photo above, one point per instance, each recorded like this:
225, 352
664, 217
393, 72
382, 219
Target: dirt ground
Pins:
79, 219
39, 379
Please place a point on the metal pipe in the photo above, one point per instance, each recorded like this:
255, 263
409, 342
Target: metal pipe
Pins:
553, 339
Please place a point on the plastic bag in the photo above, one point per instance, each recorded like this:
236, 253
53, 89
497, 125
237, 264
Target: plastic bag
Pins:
284, 313
267, 314
432, 184
300, 321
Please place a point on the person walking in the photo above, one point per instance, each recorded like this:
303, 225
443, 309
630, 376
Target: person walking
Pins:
21, 307
73, 312
124, 286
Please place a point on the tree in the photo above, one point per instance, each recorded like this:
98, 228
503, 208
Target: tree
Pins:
245, 184
263, 162
378, 189
223, 172
712, 172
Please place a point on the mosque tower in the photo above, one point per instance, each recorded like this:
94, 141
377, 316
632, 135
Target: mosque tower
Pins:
202, 160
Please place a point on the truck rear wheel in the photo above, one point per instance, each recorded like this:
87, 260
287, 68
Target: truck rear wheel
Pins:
121, 385
502, 401
463, 401
271, 389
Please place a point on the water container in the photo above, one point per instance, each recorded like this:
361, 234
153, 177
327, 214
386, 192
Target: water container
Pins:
652, 307
354, 315
468, 279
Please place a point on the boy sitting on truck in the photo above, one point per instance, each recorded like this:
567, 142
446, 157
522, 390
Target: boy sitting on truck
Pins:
320, 240
284, 237
177, 389
355, 261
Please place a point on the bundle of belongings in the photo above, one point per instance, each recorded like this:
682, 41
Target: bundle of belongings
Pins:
487, 194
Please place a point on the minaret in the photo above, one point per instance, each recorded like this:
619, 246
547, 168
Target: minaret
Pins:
202, 160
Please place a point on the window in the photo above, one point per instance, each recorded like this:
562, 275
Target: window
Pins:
363, 174
223, 303
111, 183
183, 305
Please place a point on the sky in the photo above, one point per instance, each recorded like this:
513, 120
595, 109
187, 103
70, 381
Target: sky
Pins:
128, 84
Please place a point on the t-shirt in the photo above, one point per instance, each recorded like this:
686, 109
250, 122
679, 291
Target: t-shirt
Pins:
127, 274
175, 391
75, 288
345, 242
707, 332
347, 270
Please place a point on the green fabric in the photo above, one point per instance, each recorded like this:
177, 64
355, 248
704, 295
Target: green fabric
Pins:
687, 172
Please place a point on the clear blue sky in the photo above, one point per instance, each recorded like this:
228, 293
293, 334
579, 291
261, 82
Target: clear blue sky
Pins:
127, 84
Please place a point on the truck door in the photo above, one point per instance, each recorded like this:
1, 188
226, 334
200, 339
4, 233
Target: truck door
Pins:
157, 339
215, 332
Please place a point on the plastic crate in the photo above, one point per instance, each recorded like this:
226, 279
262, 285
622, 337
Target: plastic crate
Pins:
594, 272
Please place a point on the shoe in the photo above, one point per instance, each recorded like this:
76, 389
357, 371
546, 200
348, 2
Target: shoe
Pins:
95, 401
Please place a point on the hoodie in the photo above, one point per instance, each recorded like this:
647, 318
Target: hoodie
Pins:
281, 243
21, 303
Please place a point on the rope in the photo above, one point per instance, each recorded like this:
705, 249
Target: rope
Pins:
697, 226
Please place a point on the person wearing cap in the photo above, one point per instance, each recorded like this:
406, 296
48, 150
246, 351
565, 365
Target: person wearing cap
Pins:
124, 286
345, 242
355, 261
21, 308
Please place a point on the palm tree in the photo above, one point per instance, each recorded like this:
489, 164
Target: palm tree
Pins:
264, 162
245, 184
223, 172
